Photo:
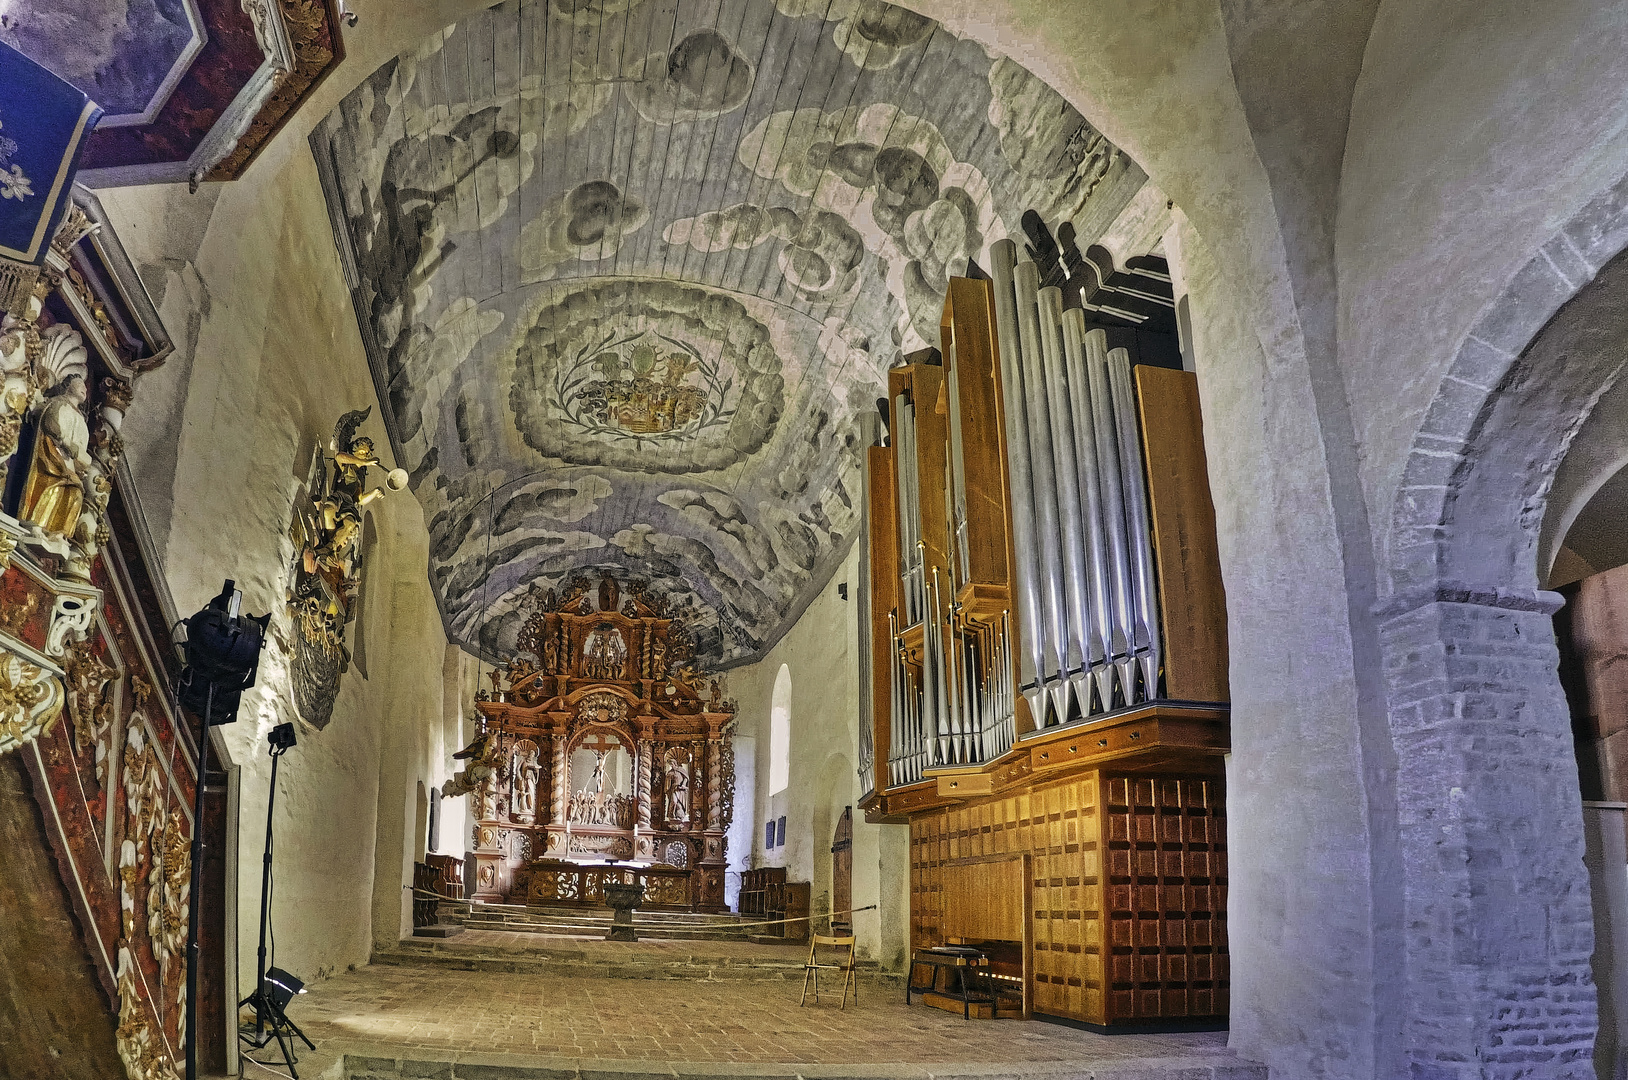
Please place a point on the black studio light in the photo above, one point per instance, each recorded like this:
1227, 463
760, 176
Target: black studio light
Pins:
222, 654
281, 987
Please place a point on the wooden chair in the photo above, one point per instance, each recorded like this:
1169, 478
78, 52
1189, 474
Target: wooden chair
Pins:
812, 969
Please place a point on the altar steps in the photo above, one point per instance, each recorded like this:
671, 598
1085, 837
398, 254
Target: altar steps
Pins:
594, 922
519, 952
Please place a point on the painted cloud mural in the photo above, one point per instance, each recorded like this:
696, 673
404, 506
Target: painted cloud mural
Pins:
632, 274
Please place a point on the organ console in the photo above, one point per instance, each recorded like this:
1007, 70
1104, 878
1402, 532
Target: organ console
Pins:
1046, 655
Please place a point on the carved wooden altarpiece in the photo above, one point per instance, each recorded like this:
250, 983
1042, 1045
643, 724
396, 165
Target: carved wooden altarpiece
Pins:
605, 745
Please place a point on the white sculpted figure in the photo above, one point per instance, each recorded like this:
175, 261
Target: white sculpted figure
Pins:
678, 790
526, 774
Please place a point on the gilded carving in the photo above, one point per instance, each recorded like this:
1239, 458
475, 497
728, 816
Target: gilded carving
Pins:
30, 701
55, 493
74, 227
137, 1044
71, 617
15, 616
313, 39
143, 783
45, 375
327, 571
169, 886
88, 707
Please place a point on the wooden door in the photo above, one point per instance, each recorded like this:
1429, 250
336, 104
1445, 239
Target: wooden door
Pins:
842, 874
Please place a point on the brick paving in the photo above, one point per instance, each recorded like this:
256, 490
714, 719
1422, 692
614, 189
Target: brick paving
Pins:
438, 1013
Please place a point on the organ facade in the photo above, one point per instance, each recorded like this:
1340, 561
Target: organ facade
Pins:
1045, 701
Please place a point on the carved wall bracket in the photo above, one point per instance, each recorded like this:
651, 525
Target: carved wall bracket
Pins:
31, 699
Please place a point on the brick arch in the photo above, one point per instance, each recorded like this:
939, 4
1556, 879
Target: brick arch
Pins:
1498, 928
1505, 412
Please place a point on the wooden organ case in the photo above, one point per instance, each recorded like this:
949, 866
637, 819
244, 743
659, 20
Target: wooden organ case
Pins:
1047, 656
605, 751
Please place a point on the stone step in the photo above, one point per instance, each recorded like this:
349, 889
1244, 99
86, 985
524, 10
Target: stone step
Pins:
490, 1067
697, 969
594, 922
585, 928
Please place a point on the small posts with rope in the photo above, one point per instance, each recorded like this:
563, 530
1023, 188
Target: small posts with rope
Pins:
845, 964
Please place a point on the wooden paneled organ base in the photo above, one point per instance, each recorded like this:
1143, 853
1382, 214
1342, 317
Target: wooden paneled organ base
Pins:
599, 755
1046, 645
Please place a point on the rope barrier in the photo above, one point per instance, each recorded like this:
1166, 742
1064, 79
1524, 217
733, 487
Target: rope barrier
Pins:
423, 893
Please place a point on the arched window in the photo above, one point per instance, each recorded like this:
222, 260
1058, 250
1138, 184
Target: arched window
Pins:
780, 733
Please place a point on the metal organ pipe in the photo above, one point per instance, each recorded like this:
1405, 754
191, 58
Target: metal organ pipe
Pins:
955, 462
1024, 575
1113, 505
1096, 542
1068, 500
1054, 632
1147, 638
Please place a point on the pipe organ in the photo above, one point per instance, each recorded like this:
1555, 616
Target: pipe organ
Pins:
1046, 637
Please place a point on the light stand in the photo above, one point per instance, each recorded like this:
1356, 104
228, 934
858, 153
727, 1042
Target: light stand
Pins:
222, 654
273, 988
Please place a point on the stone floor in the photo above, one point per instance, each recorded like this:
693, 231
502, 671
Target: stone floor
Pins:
388, 1021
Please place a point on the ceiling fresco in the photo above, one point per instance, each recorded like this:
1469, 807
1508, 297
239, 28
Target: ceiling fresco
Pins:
631, 273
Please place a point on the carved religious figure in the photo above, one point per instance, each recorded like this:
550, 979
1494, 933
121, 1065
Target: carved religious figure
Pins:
551, 655
16, 382
604, 652
526, 772
62, 466
678, 789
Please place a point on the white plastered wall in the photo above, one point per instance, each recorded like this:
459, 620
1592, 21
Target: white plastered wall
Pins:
821, 652
219, 443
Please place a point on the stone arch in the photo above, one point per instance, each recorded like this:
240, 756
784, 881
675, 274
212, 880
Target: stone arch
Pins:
1498, 928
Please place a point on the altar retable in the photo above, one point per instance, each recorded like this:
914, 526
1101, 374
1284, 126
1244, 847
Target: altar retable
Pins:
601, 745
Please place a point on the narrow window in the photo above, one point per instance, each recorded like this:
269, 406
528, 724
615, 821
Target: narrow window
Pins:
780, 733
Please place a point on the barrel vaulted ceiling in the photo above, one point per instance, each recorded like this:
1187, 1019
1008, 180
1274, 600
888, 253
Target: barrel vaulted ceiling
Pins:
636, 269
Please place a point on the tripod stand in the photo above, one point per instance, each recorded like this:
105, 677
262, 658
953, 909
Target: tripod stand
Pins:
274, 988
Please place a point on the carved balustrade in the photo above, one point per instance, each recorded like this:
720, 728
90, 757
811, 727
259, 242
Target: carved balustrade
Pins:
559, 881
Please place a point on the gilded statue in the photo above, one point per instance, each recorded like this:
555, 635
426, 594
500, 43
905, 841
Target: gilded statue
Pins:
57, 483
327, 573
